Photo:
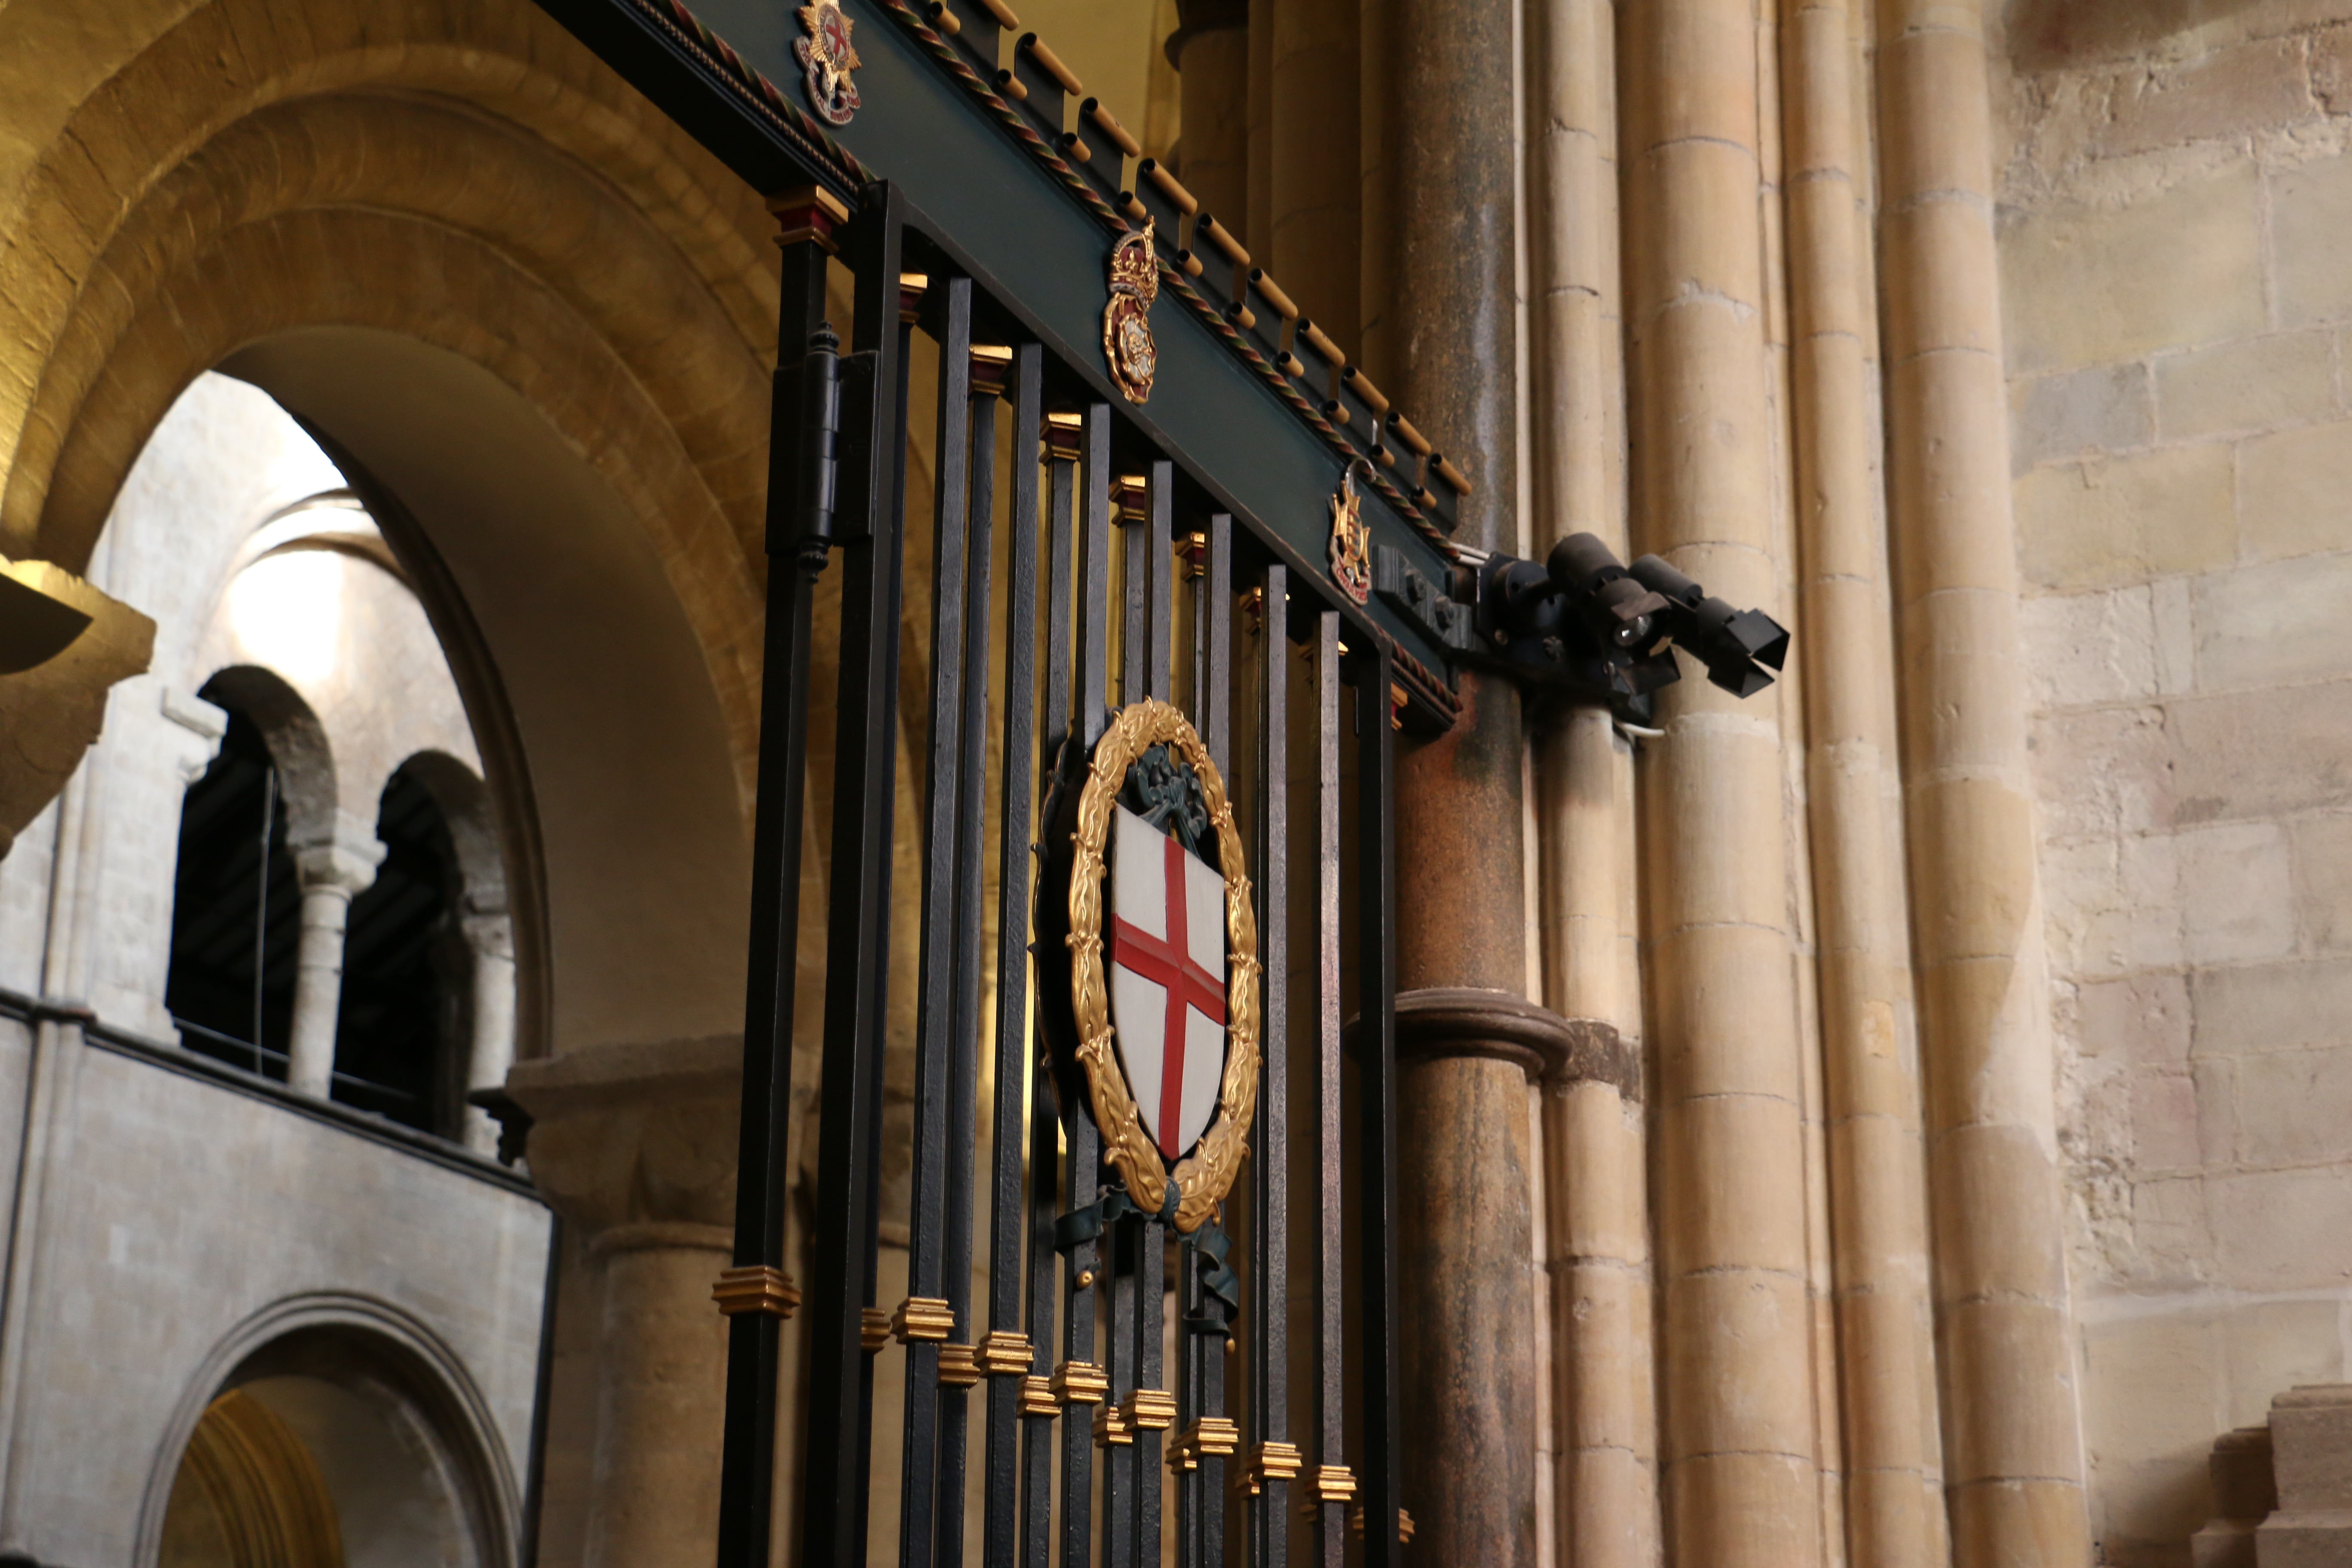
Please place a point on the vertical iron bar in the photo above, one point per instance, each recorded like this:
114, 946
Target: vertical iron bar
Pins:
1376, 1073
841, 1385
1269, 1164
1160, 551
1083, 1181
797, 548
1188, 1401
1214, 693
1001, 1513
1118, 1459
971, 853
1063, 447
1330, 1518
1151, 1324
936, 1025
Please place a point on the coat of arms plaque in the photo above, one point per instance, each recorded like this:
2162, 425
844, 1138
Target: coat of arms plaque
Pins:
1160, 936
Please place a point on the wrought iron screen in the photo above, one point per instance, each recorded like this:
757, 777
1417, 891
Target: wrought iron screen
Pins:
1090, 1381
1118, 575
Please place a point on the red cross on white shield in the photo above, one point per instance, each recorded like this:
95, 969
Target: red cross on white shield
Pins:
1167, 942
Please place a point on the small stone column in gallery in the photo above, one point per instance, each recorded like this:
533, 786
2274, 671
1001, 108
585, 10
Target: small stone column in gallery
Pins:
332, 871
489, 937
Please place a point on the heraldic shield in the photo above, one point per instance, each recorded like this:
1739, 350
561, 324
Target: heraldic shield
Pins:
1161, 1042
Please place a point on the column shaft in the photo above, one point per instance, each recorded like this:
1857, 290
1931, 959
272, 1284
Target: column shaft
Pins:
1596, 1198
1878, 1202
492, 1048
318, 988
663, 1353
1466, 1186
1211, 54
2012, 1423
1741, 1433
1315, 239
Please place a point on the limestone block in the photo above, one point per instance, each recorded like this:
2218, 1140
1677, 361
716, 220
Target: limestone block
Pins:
2083, 648
2106, 408
2143, 1018
2311, 211
2270, 624
2284, 1230
2254, 87
2331, 68
2102, 773
2113, 904
2321, 850
2272, 1007
2237, 899
2264, 752
2171, 1224
2153, 1389
2248, 386
2292, 491
2296, 1106
2084, 285
2123, 520
2164, 1123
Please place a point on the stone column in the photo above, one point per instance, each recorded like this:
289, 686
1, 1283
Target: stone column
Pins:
1885, 1323
1465, 1185
1740, 1436
2012, 1423
636, 1145
1596, 1195
490, 1051
333, 869
1314, 235
1210, 50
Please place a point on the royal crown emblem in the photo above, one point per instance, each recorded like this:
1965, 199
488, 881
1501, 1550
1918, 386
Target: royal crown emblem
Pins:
830, 60
1351, 560
1161, 1038
1127, 347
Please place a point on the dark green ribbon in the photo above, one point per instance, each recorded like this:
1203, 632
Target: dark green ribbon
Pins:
1210, 1245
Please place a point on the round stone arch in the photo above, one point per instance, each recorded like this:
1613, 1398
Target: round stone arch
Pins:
382, 1402
298, 746
535, 319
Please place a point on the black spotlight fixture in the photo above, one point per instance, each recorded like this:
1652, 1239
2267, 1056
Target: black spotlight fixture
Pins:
1731, 642
1584, 620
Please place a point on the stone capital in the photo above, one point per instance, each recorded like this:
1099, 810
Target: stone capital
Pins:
488, 935
635, 1134
344, 858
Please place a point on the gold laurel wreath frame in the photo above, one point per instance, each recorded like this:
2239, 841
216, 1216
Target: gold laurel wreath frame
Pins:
1203, 1176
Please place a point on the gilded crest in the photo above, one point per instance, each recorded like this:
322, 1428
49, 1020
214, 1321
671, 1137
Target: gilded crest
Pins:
1162, 945
1127, 347
1351, 559
829, 58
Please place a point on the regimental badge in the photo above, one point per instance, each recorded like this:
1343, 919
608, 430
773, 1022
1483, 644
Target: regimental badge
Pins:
1351, 559
1160, 943
1126, 320
830, 60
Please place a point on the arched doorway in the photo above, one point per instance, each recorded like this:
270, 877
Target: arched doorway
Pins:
333, 1446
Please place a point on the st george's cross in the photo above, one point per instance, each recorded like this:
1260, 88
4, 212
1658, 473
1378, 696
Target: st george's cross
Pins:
1167, 951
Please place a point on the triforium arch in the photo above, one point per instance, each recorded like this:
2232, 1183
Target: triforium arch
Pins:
299, 747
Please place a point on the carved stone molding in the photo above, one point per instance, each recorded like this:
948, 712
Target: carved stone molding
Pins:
1461, 1021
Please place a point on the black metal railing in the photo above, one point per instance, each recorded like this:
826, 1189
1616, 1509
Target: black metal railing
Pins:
1120, 550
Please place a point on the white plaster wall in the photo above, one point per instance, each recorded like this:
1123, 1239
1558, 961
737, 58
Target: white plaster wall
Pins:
2177, 223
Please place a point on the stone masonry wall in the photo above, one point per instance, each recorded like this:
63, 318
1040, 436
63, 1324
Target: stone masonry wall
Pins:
2177, 257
